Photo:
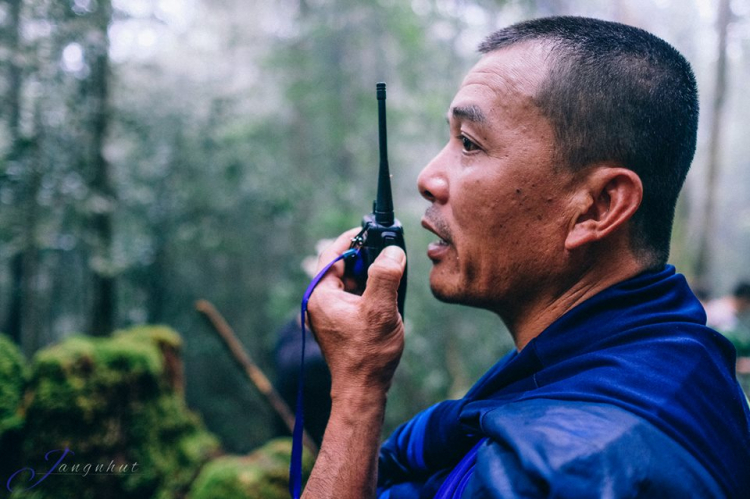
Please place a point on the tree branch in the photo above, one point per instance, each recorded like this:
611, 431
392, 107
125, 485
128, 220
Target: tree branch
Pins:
253, 372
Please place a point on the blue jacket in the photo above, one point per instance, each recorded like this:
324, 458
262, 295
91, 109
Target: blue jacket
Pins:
627, 395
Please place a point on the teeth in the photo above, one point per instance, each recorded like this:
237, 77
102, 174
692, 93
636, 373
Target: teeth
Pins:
442, 242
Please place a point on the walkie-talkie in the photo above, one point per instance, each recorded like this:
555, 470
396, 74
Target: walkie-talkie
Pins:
380, 228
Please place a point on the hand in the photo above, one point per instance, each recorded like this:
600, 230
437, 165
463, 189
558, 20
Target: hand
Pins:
361, 337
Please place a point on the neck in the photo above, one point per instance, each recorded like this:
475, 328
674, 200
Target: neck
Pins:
570, 291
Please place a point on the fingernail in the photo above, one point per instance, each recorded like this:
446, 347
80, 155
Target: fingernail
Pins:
394, 253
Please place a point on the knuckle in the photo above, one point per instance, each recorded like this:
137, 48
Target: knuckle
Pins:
375, 317
380, 318
314, 303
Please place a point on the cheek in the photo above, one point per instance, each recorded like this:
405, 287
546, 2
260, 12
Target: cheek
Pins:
506, 222
484, 226
487, 209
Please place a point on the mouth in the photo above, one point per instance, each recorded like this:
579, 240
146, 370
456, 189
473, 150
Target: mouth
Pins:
443, 238
437, 249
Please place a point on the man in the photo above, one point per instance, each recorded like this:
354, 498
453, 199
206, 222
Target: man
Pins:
552, 203
730, 315
726, 314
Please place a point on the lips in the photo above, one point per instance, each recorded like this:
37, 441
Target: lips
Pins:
437, 249
437, 228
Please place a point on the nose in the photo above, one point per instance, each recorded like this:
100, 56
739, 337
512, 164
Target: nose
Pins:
432, 181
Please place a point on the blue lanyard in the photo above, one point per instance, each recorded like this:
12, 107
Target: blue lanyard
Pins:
453, 486
295, 467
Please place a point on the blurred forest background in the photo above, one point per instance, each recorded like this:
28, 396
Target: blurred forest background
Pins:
155, 152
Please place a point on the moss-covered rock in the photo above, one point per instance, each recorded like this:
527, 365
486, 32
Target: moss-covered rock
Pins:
13, 377
12, 381
264, 474
114, 401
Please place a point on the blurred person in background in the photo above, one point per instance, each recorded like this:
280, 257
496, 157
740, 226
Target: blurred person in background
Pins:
730, 315
287, 356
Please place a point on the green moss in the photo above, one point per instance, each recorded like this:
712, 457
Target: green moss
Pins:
13, 378
159, 335
120, 400
12, 381
264, 474
115, 399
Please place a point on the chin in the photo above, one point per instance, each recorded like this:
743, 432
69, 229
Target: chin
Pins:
458, 293
446, 292
443, 296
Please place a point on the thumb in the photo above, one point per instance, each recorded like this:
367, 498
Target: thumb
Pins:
384, 275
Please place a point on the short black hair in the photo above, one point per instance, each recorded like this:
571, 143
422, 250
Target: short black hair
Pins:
620, 94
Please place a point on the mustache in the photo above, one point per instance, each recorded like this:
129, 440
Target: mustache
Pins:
433, 218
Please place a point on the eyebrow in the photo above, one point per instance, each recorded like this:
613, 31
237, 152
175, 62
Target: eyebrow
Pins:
470, 113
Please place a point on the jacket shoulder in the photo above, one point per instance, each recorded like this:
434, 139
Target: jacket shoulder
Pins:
552, 448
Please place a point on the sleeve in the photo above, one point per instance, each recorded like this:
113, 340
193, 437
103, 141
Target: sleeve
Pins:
543, 448
421, 452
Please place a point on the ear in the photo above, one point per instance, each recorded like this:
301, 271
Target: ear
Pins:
608, 197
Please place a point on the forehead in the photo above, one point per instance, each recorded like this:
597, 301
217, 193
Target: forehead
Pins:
504, 79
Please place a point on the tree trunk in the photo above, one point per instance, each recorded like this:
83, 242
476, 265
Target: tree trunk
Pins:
156, 281
13, 319
716, 111
21, 323
31, 324
103, 313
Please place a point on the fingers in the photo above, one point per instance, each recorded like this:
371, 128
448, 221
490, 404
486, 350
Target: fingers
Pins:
339, 246
384, 276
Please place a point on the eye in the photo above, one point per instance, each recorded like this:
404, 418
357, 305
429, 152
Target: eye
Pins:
469, 146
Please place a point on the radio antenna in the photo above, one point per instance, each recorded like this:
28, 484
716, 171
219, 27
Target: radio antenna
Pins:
383, 205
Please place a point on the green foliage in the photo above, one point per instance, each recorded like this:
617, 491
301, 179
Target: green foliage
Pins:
264, 474
239, 135
162, 336
115, 399
12, 381
13, 377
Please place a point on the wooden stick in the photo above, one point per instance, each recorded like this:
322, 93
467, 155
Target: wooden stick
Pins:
252, 370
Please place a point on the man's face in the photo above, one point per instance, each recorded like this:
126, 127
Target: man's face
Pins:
498, 204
